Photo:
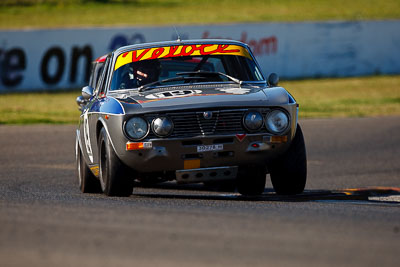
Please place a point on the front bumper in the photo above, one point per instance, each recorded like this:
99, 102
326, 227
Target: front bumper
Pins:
206, 174
191, 153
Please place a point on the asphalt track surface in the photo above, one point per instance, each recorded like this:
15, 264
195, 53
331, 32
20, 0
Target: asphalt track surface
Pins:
46, 221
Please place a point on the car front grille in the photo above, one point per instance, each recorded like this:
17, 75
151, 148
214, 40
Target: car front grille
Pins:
194, 123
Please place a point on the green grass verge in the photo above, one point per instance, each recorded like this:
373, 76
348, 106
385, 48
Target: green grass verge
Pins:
321, 98
32, 108
347, 97
77, 13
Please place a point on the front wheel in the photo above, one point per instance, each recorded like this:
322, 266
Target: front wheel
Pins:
113, 173
289, 171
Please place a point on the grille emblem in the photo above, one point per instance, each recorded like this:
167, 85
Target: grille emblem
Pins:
240, 137
207, 115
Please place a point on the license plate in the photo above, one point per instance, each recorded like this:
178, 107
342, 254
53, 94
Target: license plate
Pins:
210, 148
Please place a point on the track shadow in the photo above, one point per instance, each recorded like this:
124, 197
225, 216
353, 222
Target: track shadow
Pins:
389, 195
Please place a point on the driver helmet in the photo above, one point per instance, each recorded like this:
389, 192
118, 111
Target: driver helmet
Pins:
147, 71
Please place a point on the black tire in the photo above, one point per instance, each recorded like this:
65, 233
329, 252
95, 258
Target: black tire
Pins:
113, 173
289, 172
251, 180
88, 183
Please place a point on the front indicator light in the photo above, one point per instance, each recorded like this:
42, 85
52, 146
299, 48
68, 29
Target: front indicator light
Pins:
279, 139
138, 145
275, 139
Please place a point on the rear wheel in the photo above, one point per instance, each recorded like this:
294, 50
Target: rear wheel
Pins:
289, 171
88, 183
251, 180
113, 173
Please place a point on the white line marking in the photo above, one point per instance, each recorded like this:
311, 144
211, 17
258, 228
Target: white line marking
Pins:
395, 198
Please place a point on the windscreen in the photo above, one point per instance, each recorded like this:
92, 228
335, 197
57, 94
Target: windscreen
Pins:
182, 65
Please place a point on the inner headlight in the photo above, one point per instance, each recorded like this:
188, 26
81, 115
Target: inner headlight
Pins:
277, 121
253, 120
136, 128
162, 126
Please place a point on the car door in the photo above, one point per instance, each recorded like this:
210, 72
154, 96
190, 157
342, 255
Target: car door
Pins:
93, 114
87, 127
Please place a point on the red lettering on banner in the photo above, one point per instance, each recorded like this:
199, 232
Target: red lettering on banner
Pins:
184, 53
206, 35
137, 58
186, 50
262, 46
202, 49
222, 49
172, 50
267, 45
271, 44
157, 53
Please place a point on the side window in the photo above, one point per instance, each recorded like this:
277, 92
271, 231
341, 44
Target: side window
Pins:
98, 69
92, 72
101, 84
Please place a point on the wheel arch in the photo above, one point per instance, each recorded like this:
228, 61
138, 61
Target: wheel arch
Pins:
78, 143
101, 123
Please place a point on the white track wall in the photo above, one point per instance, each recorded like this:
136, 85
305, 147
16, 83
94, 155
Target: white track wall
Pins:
54, 59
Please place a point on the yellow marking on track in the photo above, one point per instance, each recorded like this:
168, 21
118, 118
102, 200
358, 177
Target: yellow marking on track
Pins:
379, 190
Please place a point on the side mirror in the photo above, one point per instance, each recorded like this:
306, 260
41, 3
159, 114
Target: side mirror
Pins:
273, 80
81, 102
87, 92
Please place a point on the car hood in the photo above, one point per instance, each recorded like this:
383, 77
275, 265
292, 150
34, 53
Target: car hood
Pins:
192, 97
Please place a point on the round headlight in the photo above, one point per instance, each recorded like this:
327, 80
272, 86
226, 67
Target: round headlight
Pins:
136, 128
253, 120
277, 121
162, 126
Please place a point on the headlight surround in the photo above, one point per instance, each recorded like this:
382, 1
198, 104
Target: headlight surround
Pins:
253, 120
277, 121
136, 128
162, 126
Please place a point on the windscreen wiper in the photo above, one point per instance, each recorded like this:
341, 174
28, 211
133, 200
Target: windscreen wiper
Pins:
207, 73
179, 78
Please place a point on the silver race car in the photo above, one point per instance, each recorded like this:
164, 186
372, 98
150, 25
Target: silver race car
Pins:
191, 111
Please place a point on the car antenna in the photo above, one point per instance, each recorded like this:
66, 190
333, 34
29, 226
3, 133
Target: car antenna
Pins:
177, 34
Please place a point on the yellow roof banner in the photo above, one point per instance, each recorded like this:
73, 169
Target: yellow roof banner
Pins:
180, 51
